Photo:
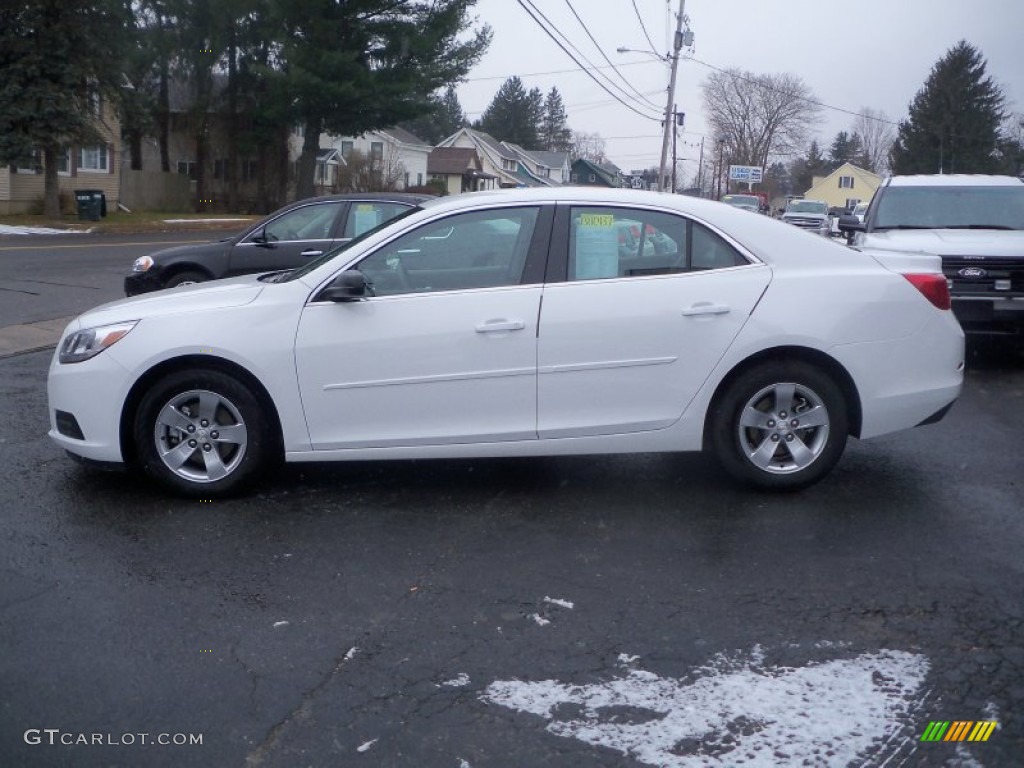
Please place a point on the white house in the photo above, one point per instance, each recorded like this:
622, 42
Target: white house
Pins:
403, 155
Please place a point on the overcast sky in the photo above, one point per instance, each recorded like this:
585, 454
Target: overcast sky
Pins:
870, 53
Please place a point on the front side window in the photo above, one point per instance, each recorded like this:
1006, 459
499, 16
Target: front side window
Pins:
310, 222
607, 243
483, 249
93, 158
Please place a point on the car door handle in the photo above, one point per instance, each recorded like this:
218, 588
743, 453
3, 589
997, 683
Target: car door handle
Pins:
706, 309
312, 253
500, 325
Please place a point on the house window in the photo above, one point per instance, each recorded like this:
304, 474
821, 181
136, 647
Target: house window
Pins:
249, 170
573, 177
31, 164
187, 168
591, 178
419, 179
64, 162
851, 203
220, 169
377, 150
346, 149
94, 159
846, 182
300, 131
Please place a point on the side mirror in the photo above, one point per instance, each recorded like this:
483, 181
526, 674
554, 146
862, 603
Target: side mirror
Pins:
850, 224
260, 238
350, 285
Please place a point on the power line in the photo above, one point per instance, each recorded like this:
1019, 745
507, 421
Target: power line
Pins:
644, 27
605, 56
552, 72
524, 5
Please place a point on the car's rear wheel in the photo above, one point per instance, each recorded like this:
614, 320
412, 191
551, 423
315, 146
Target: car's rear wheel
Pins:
201, 433
185, 278
780, 425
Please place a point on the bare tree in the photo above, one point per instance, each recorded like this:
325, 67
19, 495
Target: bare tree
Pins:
877, 133
757, 117
589, 146
371, 172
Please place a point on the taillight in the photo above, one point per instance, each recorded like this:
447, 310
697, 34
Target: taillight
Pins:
933, 287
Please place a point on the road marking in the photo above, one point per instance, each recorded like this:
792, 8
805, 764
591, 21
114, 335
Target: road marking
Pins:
94, 245
751, 715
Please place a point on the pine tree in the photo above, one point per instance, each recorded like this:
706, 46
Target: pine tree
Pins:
953, 123
444, 118
514, 115
56, 57
846, 148
555, 134
803, 170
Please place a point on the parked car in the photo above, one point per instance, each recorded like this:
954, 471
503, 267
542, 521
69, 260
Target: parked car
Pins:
811, 215
285, 239
859, 210
975, 223
745, 202
428, 338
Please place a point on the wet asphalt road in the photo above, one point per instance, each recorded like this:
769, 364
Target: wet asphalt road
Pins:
370, 607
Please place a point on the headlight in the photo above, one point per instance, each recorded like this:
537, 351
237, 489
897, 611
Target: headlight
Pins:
81, 345
142, 264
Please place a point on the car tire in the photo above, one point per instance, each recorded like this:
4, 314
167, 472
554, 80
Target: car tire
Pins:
201, 433
780, 425
185, 278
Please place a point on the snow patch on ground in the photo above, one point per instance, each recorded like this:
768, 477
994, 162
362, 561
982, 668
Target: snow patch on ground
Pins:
734, 713
366, 745
540, 619
8, 229
458, 681
562, 603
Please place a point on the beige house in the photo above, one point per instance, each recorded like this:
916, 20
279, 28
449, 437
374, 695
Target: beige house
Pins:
78, 167
846, 186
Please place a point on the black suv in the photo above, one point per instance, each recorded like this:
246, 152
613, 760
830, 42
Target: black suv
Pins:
285, 239
974, 223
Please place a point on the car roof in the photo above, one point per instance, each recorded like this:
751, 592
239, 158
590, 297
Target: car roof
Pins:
953, 180
397, 197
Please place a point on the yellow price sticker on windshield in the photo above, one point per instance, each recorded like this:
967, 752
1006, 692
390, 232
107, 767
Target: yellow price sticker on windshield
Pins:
365, 207
597, 219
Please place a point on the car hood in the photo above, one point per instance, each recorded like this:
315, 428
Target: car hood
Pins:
170, 255
948, 242
216, 294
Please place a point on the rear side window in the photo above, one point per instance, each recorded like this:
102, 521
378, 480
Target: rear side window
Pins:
609, 243
364, 216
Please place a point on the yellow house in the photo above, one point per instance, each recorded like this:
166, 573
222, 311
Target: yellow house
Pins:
846, 186
78, 167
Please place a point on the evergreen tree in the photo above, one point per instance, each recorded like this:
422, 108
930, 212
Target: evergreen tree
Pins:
846, 148
514, 115
444, 118
953, 123
803, 170
350, 67
555, 134
57, 57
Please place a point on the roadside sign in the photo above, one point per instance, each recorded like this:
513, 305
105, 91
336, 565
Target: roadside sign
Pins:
751, 174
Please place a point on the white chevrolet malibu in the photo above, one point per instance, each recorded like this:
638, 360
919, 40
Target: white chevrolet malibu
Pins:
520, 323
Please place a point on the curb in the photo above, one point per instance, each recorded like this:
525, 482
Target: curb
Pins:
31, 337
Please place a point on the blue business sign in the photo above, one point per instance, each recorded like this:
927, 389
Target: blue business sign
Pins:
748, 173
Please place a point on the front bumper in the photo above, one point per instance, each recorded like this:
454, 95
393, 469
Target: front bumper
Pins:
142, 282
90, 392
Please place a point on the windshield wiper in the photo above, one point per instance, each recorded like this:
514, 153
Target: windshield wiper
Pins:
905, 226
275, 277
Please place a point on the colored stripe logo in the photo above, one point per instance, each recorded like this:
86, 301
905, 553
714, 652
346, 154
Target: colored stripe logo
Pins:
959, 730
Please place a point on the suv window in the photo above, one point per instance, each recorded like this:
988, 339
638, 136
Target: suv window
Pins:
951, 207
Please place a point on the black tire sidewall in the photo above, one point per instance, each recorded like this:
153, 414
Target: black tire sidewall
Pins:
725, 440
241, 396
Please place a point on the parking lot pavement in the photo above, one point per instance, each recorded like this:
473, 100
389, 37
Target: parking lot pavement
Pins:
594, 611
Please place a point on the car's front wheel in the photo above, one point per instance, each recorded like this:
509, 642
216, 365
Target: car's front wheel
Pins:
780, 425
201, 433
185, 278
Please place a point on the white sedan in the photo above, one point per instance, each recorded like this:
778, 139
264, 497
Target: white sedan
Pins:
520, 323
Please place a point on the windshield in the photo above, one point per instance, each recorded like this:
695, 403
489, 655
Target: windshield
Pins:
334, 252
951, 207
742, 201
807, 206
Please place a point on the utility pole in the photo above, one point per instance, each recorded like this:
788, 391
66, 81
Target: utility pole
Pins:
675, 134
677, 43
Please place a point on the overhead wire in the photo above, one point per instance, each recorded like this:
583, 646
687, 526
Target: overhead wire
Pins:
644, 27
526, 5
605, 56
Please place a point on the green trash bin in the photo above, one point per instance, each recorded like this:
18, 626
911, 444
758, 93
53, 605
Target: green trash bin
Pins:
92, 204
